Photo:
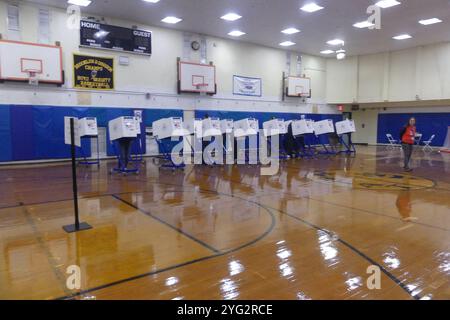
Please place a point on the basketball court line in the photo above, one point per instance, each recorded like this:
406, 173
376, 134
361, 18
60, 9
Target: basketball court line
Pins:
60, 277
218, 254
397, 281
346, 244
148, 214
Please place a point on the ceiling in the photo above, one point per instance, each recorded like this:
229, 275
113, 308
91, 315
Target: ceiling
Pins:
263, 21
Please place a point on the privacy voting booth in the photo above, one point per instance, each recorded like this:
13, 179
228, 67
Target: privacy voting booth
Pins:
302, 127
227, 126
325, 127
211, 127
274, 127
246, 127
123, 127
344, 129
165, 129
169, 128
122, 131
88, 129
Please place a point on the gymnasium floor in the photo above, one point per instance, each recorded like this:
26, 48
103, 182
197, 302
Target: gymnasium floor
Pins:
310, 232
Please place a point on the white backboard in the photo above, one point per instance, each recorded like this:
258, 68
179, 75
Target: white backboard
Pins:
196, 77
298, 87
17, 59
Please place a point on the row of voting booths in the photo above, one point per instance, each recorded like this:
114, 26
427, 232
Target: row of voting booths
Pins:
226, 137
231, 132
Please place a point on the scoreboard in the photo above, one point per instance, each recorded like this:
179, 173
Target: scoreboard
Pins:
103, 36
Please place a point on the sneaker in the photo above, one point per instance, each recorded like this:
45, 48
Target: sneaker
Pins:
408, 169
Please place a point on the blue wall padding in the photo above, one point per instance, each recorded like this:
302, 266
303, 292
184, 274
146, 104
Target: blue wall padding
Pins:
22, 133
37, 132
427, 124
5, 134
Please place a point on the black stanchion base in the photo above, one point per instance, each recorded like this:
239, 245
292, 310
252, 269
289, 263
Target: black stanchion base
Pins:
72, 228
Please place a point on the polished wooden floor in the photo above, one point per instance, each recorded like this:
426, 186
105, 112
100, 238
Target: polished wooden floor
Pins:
309, 232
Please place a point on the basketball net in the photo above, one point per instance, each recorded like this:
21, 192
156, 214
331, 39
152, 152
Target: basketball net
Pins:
203, 87
447, 143
33, 78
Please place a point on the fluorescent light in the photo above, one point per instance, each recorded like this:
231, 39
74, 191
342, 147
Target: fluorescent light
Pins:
336, 42
171, 20
290, 31
427, 22
287, 44
327, 52
402, 37
231, 17
311, 7
340, 51
151, 1
341, 56
387, 3
81, 3
363, 24
236, 33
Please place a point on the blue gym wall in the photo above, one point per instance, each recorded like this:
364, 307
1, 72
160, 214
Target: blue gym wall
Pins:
37, 132
427, 124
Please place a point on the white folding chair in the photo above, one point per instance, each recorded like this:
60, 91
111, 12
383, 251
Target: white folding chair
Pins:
392, 142
427, 144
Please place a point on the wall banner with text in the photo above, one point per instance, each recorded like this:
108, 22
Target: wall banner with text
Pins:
245, 86
95, 73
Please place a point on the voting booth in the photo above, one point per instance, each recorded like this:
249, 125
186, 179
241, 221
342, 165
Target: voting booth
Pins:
346, 126
227, 126
210, 128
194, 126
123, 127
168, 128
302, 127
323, 127
126, 128
344, 129
246, 127
88, 127
274, 127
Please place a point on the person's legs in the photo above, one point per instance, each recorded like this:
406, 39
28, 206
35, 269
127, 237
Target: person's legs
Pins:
407, 150
125, 150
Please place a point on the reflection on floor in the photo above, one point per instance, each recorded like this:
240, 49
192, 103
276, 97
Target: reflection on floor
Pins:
309, 232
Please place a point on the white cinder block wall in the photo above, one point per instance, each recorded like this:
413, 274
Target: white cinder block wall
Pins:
158, 74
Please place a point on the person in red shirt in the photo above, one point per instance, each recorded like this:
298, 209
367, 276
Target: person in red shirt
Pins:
408, 136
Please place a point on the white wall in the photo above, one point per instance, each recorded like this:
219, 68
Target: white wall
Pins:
417, 74
158, 74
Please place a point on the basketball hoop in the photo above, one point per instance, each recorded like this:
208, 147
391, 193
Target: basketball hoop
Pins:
202, 88
33, 78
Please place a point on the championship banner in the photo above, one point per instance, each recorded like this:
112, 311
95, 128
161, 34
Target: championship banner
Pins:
245, 86
95, 73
